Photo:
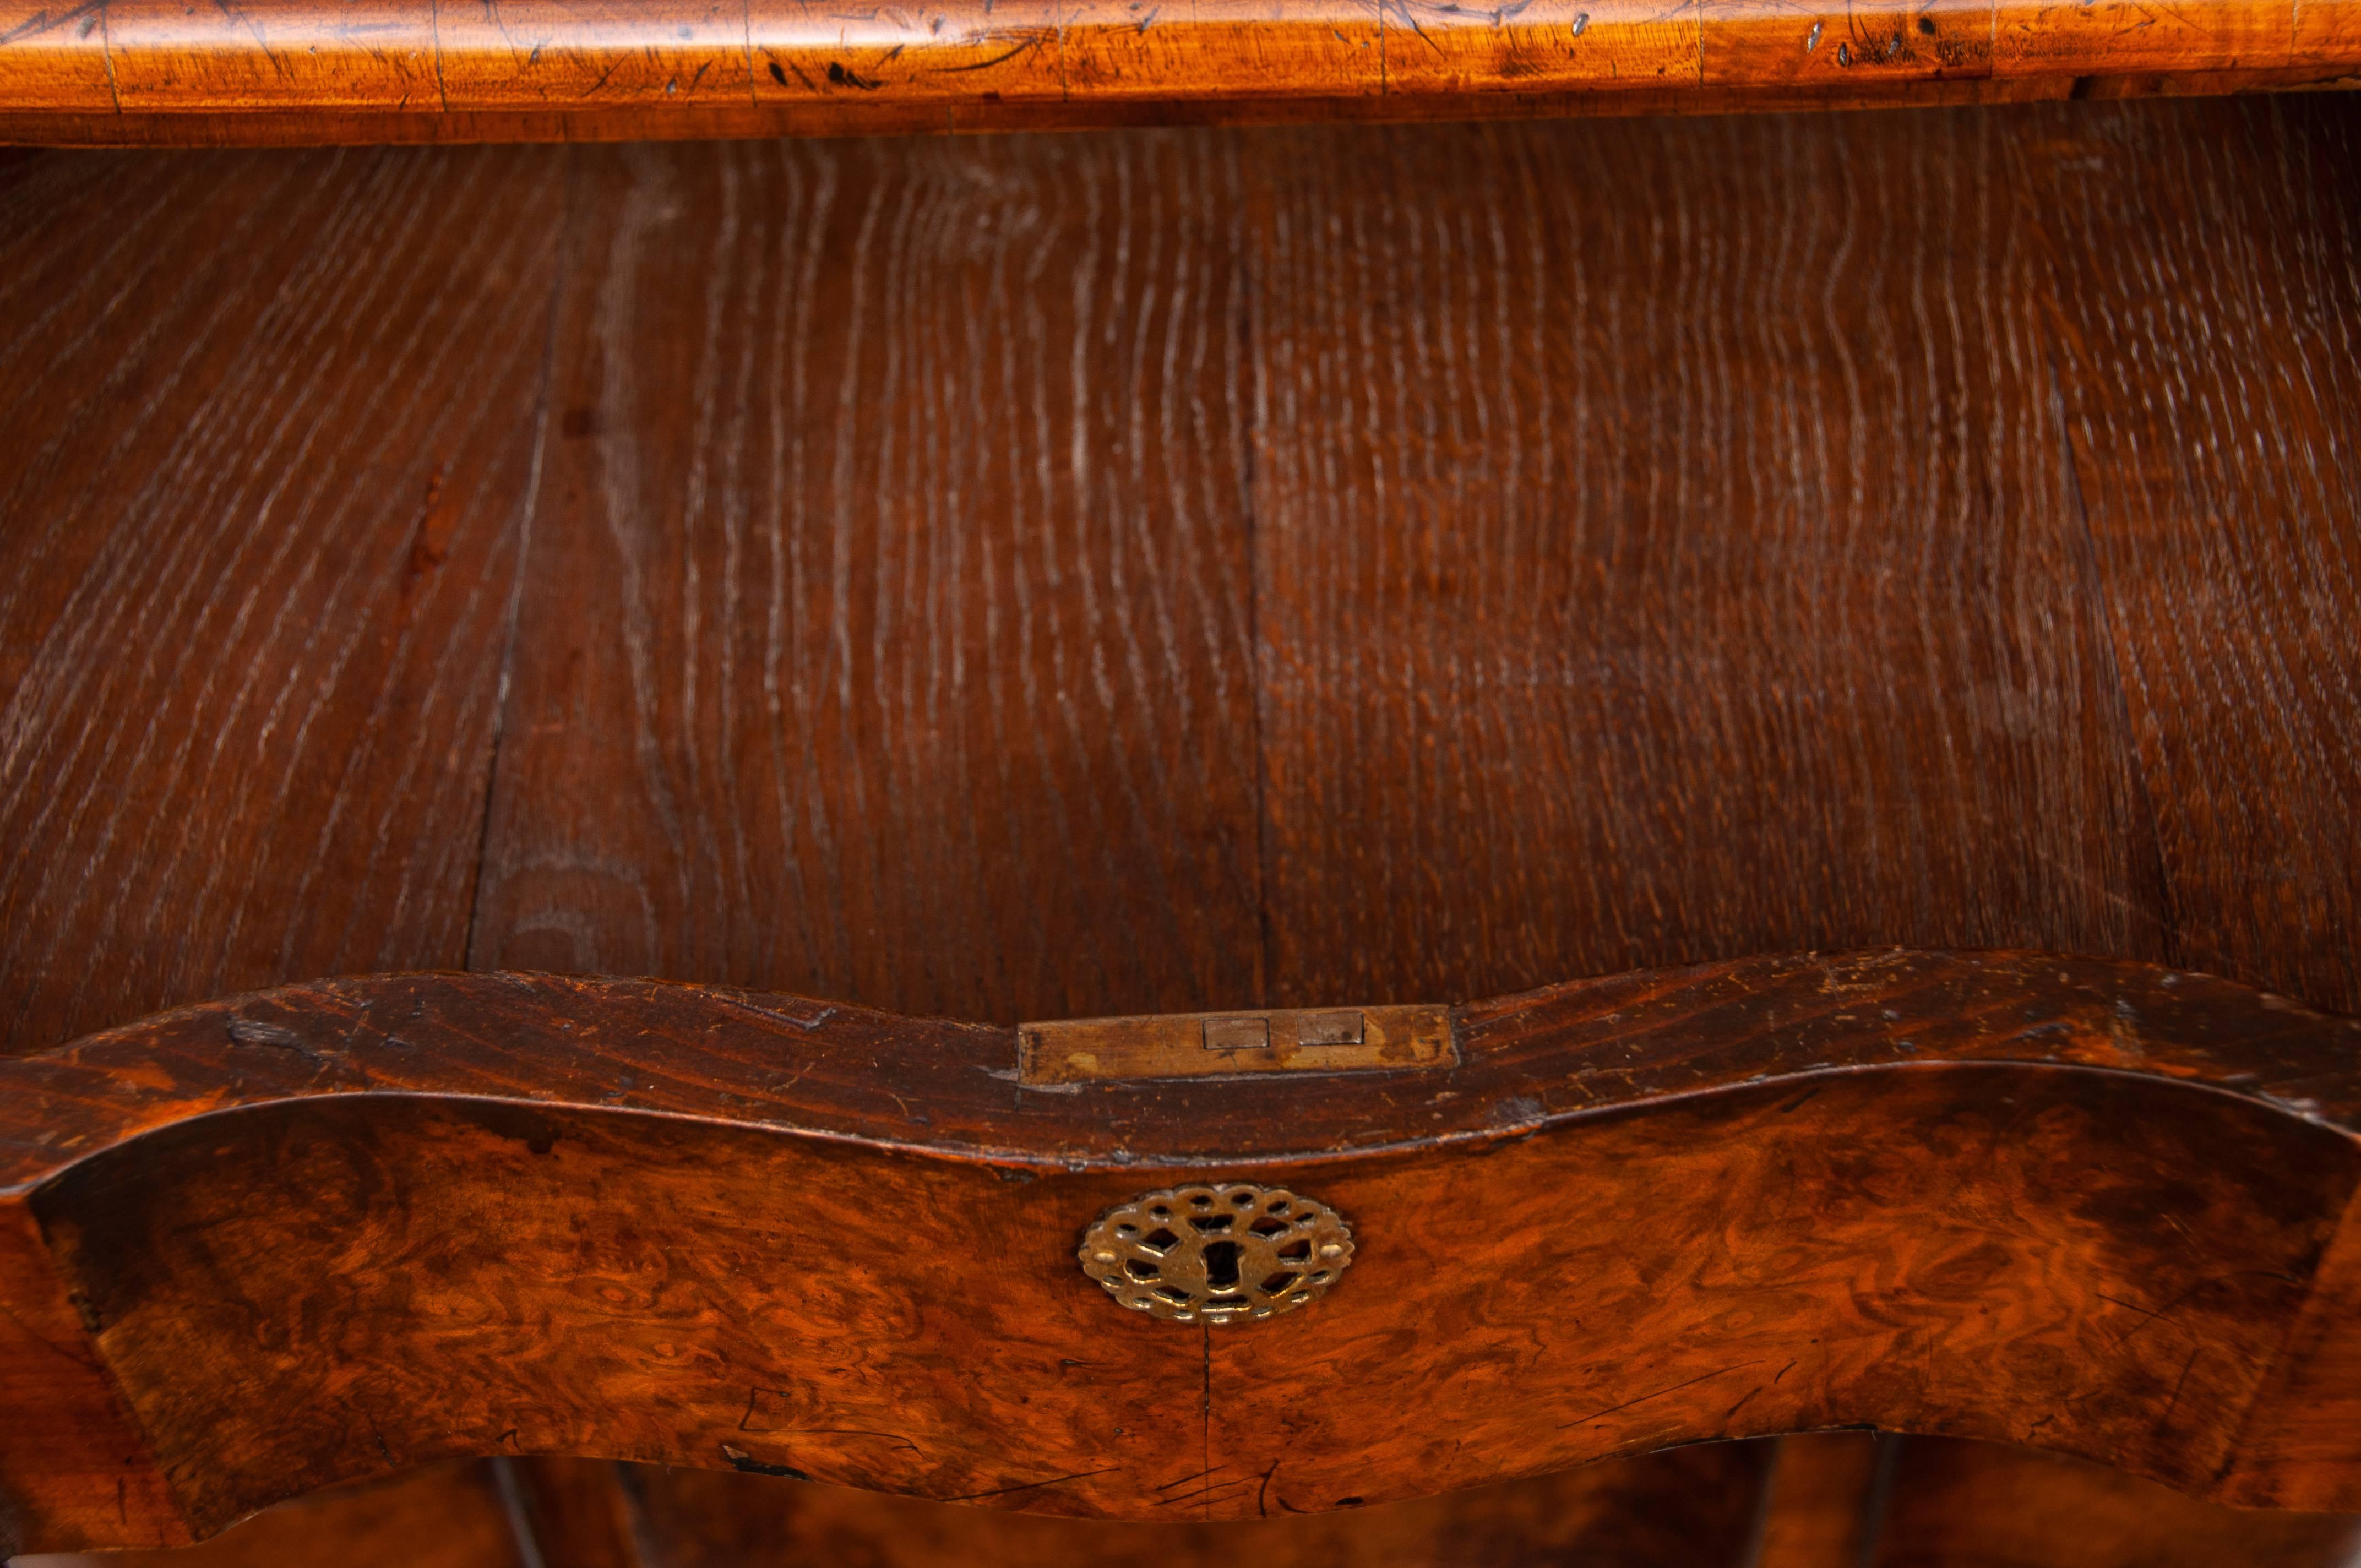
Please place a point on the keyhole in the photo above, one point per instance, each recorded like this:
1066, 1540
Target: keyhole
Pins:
1222, 1266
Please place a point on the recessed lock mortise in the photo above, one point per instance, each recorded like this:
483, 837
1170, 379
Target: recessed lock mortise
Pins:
1199, 1045
1236, 1034
1252, 1031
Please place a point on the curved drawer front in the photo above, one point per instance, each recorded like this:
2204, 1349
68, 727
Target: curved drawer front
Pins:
328, 1231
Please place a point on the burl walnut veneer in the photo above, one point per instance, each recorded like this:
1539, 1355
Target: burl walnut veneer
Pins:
1875, 592
267, 1244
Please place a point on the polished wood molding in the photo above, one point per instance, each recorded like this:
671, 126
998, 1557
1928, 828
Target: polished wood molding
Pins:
297, 71
254, 1247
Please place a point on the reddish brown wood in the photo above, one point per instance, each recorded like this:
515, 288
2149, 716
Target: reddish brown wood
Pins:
1946, 1504
319, 127
323, 1231
140, 69
1824, 1500
574, 1512
1693, 1505
2311, 1395
1820, 568
2196, 542
266, 430
1608, 525
1969, 1505
1651, 672
2001, 810
915, 578
439, 1516
73, 1466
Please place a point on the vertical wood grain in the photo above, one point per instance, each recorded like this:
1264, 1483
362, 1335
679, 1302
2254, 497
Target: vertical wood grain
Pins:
1048, 576
1663, 553
2206, 325
266, 427
886, 635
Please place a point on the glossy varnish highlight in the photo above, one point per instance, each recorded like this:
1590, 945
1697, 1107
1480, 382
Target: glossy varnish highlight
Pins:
1515, 552
165, 71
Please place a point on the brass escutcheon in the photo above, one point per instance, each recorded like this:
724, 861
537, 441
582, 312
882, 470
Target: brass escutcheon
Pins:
1224, 1253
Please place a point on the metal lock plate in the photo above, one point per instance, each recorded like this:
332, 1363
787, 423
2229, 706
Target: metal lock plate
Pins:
1210, 1045
1229, 1252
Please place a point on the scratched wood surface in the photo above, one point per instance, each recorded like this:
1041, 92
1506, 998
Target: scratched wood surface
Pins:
1914, 580
1690, 572
1671, 749
320, 1232
2094, 681
162, 72
1935, 1504
890, 575
266, 432
2220, 498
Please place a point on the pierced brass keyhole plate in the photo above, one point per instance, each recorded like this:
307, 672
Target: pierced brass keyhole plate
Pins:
1230, 1253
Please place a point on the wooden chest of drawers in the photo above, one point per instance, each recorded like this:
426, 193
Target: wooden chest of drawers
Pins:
1877, 590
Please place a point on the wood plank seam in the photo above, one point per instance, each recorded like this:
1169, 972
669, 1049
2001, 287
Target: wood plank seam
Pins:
529, 503
2086, 551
